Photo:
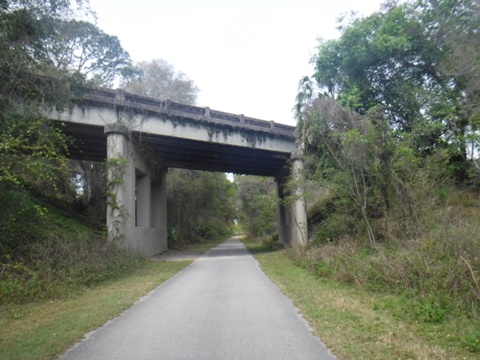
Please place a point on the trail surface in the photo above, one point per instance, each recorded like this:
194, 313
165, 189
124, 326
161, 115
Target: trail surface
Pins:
221, 307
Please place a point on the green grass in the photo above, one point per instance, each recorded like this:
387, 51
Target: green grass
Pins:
47, 329
45, 254
356, 324
60, 279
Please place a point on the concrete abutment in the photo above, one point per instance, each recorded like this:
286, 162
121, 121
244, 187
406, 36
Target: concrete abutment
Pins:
137, 207
292, 212
137, 204
144, 136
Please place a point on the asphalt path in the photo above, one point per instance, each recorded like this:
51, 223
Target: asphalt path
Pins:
221, 307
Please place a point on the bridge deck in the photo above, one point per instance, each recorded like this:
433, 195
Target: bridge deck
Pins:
121, 98
179, 135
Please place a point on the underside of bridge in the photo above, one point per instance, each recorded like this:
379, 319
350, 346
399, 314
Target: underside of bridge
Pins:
147, 136
90, 143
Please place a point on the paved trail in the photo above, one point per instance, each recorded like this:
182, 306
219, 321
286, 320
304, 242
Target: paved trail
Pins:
221, 307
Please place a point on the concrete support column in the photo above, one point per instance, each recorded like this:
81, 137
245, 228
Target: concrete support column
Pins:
292, 212
284, 218
153, 236
159, 203
298, 208
121, 179
149, 236
137, 204
144, 200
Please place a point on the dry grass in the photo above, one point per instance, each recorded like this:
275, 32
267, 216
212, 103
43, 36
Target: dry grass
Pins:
45, 330
416, 297
356, 324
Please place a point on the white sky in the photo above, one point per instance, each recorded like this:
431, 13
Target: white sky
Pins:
246, 56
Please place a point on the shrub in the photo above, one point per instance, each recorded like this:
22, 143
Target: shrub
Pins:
438, 270
61, 265
45, 254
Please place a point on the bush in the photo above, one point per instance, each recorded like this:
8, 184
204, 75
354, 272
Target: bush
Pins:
60, 266
438, 271
257, 206
18, 212
45, 254
200, 206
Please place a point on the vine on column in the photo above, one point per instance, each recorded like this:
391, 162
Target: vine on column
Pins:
116, 168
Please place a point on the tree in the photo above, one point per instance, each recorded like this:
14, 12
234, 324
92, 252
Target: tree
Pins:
201, 205
398, 59
454, 25
96, 58
397, 105
80, 47
385, 59
160, 80
29, 148
40, 66
257, 205
46, 57
367, 173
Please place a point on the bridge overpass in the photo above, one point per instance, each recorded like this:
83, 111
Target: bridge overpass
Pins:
142, 137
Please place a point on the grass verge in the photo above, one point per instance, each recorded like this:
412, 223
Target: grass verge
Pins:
45, 330
356, 324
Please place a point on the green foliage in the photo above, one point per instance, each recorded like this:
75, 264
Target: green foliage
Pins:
60, 266
46, 254
429, 310
257, 206
81, 47
90, 188
371, 65
116, 167
18, 206
31, 151
45, 55
200, 206
361, 164
386, 215
266, 245
436, 271
472, 341
417, 62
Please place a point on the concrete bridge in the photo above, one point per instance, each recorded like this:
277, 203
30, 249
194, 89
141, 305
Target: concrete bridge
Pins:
141, 138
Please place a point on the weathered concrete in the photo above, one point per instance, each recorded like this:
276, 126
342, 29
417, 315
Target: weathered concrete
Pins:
141, 137
299, 235
292, 213
137, 200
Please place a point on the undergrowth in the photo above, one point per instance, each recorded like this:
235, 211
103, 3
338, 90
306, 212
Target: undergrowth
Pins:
435, 273
45, 254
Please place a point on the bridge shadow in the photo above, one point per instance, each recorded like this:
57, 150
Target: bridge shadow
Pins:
230, 248
235, 248
265, 249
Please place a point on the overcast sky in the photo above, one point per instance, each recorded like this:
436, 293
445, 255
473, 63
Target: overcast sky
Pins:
246, 56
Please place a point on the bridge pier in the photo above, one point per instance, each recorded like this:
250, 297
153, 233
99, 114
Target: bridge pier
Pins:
137, 195
182, 136
292, 213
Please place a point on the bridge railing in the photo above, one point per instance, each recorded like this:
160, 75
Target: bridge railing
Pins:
165, 106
